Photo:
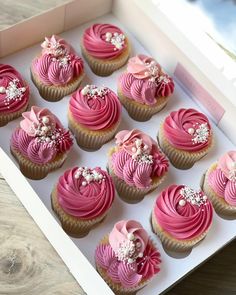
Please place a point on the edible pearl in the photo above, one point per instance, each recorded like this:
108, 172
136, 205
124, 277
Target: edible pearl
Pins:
204, 198
2, 89
23, 89
45, 120
130, 260
233, 165
134, 149
191, 131
77, 175
84, 91
140, 255
108, 35
182, 202
45, 128
130, 236
84, 183
145, 147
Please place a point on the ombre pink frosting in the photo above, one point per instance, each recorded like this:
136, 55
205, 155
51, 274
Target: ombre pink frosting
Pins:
176, 130
95, 112
85, 201
94, 41
14, 103
145, 81
58, 63
223, 179
133, 171
128, 273
181, 222
40, 148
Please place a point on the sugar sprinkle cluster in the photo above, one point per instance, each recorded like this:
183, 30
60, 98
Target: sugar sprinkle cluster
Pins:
13, 92
152, 70
118, 40
194, 197
200, 133
92, 91
89, 175
140, 153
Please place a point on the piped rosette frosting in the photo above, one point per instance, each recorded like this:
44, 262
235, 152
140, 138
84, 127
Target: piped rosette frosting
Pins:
104, 41
58, 63
14, 92
85, 193
137, 159
41, 137
145, 81
182, 212
96, 108
223, 179
188, 130
128, 256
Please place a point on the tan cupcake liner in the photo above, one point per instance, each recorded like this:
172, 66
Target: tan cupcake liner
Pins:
55, 93
117, 288
178, 158
141, 112
131, 194
172, 244
37, 171
103, 67
220, 205
89, 139
73, 226
5, 118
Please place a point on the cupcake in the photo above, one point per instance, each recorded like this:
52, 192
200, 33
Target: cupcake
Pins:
181, 217
127, 259
105, 47
219, 184
14, 94
82, 198
144, 89
41, 144
57, 71
94, 116
185, 137
136, 165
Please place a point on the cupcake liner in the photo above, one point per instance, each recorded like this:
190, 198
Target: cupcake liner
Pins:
103, 67
141, 112
5, 118
117, 288
131, 194
89, 139
220, 205
172, 244
54, 93
179, 158
73, 226
37, 171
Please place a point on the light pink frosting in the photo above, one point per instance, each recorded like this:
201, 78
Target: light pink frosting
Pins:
94, 41
58, 63
223, 179
12, 100
124, 265
181, 222
95, 112
177, 130
41, 148
83, 199
145, 81
132, 168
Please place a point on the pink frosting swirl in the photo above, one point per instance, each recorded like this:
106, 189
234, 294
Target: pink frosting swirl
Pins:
14, 92
40, 153
145, 81
138, 159
182, 220
188, 130
85, 197
20, 141
95, 111
96, 43
58, 63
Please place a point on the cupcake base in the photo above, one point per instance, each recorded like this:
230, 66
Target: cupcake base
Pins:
141, 112
55, 93
73, 226
36, 171
6, 118
221, 207
89, 139
181, 159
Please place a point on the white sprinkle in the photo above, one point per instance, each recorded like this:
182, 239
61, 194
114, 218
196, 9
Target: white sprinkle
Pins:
84, 183
182, 202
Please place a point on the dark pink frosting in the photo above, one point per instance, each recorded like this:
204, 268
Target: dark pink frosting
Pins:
95, 111
85, 195
95, 43
188, 130
58, 63
14, 92
223, 179
145, 81
129, 257
183, 221
134, 167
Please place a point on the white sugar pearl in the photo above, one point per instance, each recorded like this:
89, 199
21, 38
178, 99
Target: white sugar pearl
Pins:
47, 139
134, 157
233, 165
45, 120
182, 202
138, 142
130, 260
130, 236
45, 128
23, 89
77, 175
84, 91
84, 183
134, 149
89, 177
115, 34
2, 89
140, 255
145, 147
108, 35
191, 131
204, 198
